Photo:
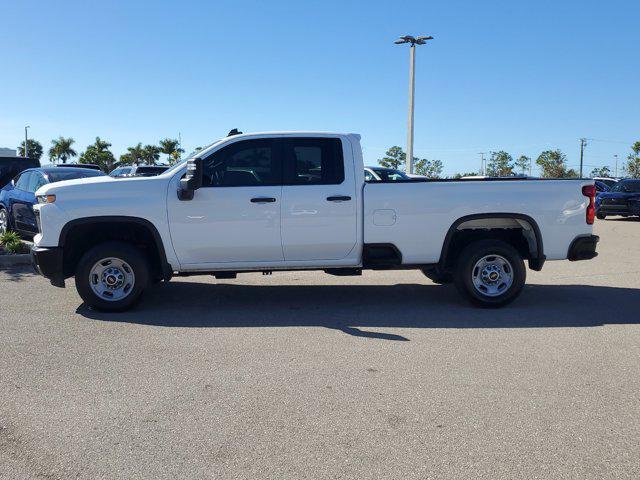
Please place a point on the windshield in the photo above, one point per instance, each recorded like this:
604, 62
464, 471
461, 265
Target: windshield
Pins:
177, 166
61, 175
627, 186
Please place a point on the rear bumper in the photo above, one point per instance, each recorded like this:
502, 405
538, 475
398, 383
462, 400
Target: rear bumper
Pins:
583, 248
48, 263
623, 210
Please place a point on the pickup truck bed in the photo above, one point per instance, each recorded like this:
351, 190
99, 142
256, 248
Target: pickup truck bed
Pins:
298, 200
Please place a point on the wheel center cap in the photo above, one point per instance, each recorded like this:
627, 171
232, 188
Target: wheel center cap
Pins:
111, 280
493, 276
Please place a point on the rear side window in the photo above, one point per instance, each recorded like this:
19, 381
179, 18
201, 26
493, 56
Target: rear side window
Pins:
248, 163
314, 161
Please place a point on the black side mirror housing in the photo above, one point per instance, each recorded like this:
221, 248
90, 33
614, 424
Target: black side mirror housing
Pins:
192, 180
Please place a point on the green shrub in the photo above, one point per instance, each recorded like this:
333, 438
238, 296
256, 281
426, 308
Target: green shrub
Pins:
15, 247
9, 237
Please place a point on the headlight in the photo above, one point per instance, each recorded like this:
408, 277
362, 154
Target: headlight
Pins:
46, 198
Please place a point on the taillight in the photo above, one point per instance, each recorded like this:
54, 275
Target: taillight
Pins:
590, 191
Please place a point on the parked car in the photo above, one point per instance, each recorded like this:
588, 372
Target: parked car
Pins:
601, 187
12, 166
138, 171
385, 175
621, 199
18, 196
90, 166
609, 182
298, 201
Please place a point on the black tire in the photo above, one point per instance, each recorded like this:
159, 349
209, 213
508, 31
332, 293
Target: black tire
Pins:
5, 227
600, 216
133, 259
439, 278
464, 274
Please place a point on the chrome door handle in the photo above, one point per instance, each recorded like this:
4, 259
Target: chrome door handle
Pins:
339, 198
263, 200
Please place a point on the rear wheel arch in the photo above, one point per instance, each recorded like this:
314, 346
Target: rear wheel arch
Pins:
519, 230
80, 235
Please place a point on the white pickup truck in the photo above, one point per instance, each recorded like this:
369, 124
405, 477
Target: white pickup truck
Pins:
299, 201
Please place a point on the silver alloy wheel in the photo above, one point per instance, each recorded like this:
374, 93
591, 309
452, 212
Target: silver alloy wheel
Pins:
492, 275
112, 279
4, 221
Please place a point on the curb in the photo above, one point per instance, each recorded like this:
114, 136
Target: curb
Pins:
14, 260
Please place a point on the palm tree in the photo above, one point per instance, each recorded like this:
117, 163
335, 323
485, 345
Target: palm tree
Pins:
171, 147
61, 149
150, 154
134, 156
99, 154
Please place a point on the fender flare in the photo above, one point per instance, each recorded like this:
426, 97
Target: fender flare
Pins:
535, 263
167, 270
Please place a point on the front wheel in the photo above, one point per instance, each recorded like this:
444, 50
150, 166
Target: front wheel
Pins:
112, 276
600, 216
4, 221
490, 273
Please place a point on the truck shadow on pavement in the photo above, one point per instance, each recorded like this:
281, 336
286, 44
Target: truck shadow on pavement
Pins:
350, 308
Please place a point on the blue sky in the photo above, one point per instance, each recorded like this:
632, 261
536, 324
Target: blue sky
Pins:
513, 75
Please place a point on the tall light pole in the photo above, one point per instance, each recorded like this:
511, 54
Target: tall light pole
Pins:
481, 162
26, 142
412, 61
583, 143
616, 157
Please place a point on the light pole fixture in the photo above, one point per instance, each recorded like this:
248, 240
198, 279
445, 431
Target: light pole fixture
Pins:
26, 142
413, 41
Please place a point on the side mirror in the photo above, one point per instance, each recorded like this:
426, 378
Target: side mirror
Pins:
192, 180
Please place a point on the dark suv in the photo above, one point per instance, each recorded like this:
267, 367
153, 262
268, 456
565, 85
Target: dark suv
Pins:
623, 199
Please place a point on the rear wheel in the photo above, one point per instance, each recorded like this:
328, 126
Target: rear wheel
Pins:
490, 273
4, 221
112, 276
600, 216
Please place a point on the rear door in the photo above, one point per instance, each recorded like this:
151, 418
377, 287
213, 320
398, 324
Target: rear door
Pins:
319, 220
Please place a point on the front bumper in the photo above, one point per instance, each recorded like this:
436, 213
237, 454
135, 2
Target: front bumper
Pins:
583, 248
47, 261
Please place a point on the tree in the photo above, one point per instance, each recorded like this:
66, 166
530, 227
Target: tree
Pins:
428, 168
554, 165
150, 154
171, 148
633, 162
394, 158
61, 149
35, 149
500, 164
601, 172
134, 156
99, 154
523, 163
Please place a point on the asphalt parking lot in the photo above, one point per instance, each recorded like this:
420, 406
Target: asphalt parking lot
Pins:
305, 375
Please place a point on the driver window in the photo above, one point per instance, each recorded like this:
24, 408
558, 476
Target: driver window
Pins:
249, 163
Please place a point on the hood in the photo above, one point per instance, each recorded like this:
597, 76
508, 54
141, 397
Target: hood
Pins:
100, 186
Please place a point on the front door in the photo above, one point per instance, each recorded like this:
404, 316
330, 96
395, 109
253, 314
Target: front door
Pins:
319, 201
235, 217
22, 199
